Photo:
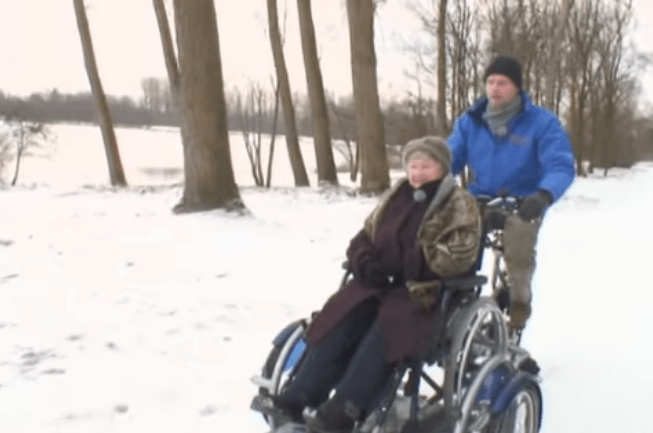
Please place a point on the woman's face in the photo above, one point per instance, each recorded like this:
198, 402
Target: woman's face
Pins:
423, 169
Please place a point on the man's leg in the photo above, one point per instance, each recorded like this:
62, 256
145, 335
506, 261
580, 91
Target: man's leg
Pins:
520, 239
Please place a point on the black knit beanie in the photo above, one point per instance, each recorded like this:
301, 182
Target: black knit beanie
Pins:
505, 65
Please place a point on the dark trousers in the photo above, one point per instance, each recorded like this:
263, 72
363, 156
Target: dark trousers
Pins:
350, 359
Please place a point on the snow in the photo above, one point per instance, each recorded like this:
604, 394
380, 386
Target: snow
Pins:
118, 316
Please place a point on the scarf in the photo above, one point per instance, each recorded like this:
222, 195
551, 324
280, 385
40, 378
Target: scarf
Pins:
497, 118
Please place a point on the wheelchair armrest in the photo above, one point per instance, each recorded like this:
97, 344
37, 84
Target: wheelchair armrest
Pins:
456, 283
464, 283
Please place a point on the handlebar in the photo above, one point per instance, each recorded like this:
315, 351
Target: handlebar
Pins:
494, 211
503, 202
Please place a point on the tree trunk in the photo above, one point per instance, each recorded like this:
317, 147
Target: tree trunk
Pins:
442, 69
292, 139
19, 153
371, 137
559, 26
275, 120
326, 167
208, 171
168, 48
116, 173
609, 145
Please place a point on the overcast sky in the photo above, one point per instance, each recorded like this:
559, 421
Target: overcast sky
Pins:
40, 47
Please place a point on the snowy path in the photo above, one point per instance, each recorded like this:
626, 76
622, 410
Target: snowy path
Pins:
117, 316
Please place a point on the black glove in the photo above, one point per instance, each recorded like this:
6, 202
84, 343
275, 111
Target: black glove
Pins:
371, 272
534, 205
360, 250
495, 219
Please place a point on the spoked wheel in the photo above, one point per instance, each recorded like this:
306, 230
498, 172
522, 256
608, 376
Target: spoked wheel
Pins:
479, 336
499, 283
522, 415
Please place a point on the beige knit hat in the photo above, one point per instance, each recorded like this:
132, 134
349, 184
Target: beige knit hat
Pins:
432, 146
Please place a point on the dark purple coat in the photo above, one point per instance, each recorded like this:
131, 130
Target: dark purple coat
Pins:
407, 327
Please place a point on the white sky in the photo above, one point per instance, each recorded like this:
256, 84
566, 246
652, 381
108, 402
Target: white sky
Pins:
40, 46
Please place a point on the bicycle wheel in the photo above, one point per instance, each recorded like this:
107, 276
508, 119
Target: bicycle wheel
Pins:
479, 333
523, 414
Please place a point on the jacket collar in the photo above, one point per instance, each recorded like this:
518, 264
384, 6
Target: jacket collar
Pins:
445, 189
478, 108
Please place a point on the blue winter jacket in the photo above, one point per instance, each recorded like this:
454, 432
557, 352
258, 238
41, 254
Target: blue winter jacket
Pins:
535, 154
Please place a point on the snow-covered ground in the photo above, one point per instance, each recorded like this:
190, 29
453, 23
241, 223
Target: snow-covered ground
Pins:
118, 316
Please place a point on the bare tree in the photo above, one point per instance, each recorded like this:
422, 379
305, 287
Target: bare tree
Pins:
349, 150
168, 47
442, 66
292, 139
326, 167
583, 31
275, 121
465, 57
375, 176
461, 47
557, 36
252, 110
611, 47
116, 173
5, 152
24, 134
152, 94
209, 176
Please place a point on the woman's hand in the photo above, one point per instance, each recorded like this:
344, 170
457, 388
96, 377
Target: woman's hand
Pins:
371, 272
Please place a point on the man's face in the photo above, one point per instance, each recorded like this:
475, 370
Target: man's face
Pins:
500, 89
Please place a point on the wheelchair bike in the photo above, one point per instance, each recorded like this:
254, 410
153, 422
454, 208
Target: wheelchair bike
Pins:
490, 384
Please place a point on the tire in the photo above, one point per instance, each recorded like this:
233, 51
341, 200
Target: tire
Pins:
271, 364
268, 367
523, 414
479, 333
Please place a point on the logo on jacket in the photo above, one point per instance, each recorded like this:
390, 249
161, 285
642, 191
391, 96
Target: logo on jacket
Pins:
519, 140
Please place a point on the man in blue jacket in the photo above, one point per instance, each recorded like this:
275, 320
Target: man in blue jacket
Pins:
511, 145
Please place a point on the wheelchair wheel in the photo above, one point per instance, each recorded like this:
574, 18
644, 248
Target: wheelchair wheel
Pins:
282, 361
523, 414
478, 334
268, 368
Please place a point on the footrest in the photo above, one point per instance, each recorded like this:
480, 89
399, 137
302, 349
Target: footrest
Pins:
262, 382
464, 283
265, 405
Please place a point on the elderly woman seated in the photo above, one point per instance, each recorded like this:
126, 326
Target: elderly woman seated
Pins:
424, 228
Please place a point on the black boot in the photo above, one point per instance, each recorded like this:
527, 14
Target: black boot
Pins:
292, 408
280, 408
334, 416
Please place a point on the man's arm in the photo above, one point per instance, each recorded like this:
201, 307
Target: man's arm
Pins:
556, 158
458, 144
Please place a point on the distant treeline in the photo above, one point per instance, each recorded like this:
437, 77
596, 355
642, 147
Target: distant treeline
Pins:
253, 110
53, 107
404, 120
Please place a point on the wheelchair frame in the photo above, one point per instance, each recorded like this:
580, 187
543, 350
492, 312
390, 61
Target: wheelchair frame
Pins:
487, 375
